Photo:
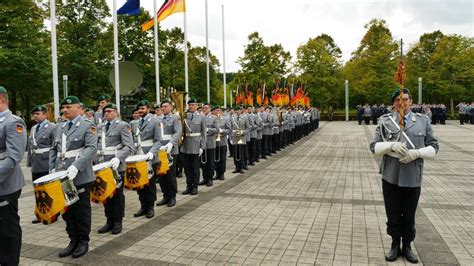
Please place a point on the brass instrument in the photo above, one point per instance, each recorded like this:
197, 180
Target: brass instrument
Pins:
240, 134
217, 154
178, 98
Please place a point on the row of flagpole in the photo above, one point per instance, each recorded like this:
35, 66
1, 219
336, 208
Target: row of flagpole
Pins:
157, 66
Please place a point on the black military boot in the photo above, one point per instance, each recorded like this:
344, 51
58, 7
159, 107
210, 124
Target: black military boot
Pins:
68, 250
210, 183
221, 177
162, 202
117, 229
395, 251
187, 191
106, 228
81, 250
140, 212
150, 213
172, 202
408, 253
194, 191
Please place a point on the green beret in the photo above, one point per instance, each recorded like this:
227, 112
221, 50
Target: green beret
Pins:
89, 110
143, 103
110, 106
39, 108
396, 93
70, 100
237, 107
103, 97
215, 107
3, 90
157, 106
192, 100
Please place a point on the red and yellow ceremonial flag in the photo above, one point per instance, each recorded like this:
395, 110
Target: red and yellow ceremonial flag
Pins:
169, 7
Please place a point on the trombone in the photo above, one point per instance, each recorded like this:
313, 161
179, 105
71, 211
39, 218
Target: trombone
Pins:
239, 133
204, 157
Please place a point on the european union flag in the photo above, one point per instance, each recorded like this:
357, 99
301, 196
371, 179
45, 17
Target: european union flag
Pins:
131, 8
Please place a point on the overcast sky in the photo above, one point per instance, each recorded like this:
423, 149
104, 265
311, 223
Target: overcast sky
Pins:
293, 22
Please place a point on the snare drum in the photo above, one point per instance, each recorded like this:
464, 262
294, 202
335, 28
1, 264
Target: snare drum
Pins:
53, 193
105, 184
163, 164
138, 172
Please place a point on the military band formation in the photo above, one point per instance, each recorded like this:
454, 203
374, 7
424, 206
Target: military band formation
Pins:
92, 156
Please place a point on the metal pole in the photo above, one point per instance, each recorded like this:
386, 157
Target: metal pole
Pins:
186, 86
207, 60
116, 58
54, 57
347, 99
231, 101
65, 92
157, 62
223, 59
420, 88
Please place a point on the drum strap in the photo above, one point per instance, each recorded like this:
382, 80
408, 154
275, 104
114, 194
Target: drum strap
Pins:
41, 151
111, 150
147, 143
193, 134
73, 153
166, 137
2, 155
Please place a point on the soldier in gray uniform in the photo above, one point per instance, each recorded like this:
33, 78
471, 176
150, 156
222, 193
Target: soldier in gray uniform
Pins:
115, 144
207, 158
194, 144
240, 128
401, 169
258, 140
266, 132
251, 145
223, 124
102, 101
147, 138
40, 142
73, 150
12, 148
172, 129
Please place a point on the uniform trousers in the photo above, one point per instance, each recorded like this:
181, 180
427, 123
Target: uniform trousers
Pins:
191, 169
78, 216
168, 183
221, 158
147, 195
10, 230
207, 164
114, 208
400, 207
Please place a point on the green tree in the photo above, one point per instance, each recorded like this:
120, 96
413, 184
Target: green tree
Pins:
371, 69
319, 62
24, 55
85, 50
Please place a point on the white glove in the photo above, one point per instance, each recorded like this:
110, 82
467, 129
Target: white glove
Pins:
149, 156
115, 163
410, 156
169, 147
52, 171
200, 151
72, 172
221, 130
426, 153
400, 148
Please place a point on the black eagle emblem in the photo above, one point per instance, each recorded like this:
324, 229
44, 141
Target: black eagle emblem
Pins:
132, 175
43, 201
99, 186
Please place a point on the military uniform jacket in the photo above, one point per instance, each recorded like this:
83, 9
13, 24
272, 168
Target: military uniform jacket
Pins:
12, 148
171, 130
211, 131
195, 130
239, 125
148, 136
224, 128
267, 123
419, 131
286, 124
275, 123
39, 145
253, 125
118, 142
77, 146
259, 123
98, 117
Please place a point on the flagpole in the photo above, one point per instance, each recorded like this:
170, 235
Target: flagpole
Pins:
157, 62
207, 60
54, 57
223, 59
116, 58
186, 86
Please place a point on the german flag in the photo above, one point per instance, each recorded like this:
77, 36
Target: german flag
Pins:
169, 7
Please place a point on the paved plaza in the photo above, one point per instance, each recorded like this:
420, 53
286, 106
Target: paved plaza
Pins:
317, 202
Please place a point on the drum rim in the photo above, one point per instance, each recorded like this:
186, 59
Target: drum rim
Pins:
59, 176
104, 166
142, 156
